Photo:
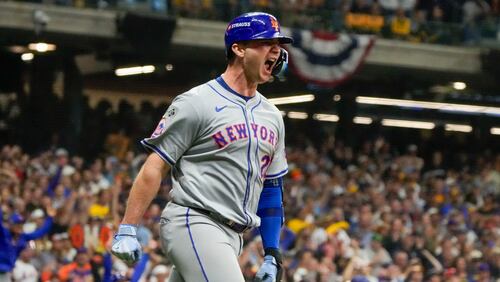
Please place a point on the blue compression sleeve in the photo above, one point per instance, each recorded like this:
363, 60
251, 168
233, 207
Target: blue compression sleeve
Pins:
270, 211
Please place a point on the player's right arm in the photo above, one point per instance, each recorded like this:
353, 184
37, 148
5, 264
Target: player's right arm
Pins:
145, 188
174, 134
146, 185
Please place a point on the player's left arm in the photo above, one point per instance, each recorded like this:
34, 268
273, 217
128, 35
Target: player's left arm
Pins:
270, 208
271, 212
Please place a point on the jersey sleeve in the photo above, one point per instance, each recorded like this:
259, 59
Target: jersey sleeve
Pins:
175, 132
279, 165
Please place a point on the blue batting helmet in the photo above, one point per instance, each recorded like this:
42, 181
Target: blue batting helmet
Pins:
254, 26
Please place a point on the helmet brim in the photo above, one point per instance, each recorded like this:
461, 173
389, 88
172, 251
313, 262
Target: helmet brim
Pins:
281, 39
285, 40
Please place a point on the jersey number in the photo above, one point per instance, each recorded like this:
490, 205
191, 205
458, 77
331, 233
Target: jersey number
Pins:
265, 162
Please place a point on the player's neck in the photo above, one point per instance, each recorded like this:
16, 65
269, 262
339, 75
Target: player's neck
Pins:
239, 83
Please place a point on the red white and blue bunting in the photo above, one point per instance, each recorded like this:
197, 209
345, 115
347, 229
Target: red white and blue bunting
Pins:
327, 59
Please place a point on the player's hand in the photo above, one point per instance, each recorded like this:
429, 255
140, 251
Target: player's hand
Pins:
268, 270
125, 245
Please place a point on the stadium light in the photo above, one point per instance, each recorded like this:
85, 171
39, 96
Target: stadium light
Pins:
26, 57
458, 127
292, 99
297, 115
18, 49
41, 47
362, 120
495, 130
326, 117
134, 70
458, 85
169, 67
408, 123
449, 107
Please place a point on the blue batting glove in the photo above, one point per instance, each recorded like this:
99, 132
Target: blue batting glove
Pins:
268, 270
125, 245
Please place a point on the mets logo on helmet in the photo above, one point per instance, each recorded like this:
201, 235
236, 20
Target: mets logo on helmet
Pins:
274, 24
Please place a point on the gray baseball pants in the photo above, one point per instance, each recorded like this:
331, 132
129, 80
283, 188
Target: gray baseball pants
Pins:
200, 248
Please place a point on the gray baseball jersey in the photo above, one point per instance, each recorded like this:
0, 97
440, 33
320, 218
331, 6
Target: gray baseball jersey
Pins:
221, 146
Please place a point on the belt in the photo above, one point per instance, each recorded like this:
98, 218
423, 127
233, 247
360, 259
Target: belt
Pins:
236, 227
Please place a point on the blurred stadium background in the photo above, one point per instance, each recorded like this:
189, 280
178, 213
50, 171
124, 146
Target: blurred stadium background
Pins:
392, 111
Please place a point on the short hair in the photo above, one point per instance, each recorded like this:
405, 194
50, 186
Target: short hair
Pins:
230, 55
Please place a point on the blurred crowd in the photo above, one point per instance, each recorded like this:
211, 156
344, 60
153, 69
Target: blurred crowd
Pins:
367, 213
430, 21
115, 127
59, 214
373, 214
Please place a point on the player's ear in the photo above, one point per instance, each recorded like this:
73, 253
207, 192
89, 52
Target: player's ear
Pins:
238, 49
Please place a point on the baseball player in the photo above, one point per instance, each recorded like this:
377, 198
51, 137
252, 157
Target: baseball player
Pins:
225, 145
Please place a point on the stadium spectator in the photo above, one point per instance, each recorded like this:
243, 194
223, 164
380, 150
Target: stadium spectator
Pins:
79, 270
474, 11
24, 271
13, 240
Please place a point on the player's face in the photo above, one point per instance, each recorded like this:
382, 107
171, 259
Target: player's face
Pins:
260, 58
